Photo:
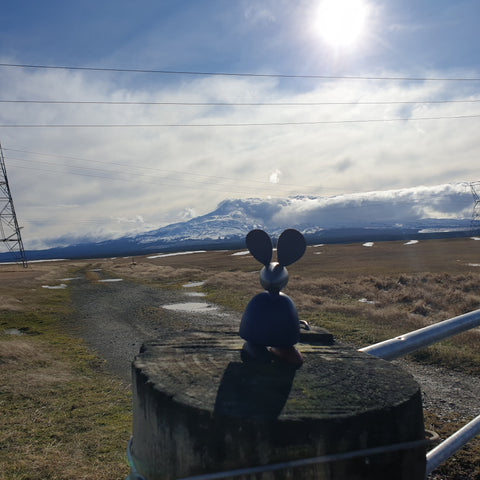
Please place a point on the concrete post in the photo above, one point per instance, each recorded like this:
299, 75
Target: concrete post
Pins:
197, 408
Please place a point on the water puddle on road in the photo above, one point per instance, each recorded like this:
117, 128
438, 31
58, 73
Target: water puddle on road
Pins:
193, 284
12, 331
191, 307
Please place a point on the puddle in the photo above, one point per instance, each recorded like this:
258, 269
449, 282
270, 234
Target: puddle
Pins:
368, 244
109, 280
474, 264
12, 331
69, 279
193, 284
411, 242
196, 294
62, 286
364, 300
191, 307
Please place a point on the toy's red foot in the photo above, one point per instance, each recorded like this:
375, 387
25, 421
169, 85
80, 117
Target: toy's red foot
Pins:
288, 355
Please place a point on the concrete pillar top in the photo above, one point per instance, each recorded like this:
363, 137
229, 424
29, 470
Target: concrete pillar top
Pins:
205, 371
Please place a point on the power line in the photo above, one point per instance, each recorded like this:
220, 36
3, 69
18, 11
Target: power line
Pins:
194, 186
237, 74
236, 104
246, 124
152, 169
236, 188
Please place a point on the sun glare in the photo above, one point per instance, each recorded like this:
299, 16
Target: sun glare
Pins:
341, 22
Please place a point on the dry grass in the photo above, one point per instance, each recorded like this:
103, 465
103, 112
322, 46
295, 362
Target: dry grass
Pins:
62, 417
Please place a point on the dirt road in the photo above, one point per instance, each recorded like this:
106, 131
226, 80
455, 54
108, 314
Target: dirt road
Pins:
115, 318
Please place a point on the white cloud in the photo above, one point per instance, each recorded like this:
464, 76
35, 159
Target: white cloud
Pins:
399, 207
90, 176
275, 176
259, 13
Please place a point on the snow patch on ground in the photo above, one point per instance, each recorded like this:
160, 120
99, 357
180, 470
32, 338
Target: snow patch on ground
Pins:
162, 255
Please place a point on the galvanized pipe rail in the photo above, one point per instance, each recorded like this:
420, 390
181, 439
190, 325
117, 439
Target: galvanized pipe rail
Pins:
410, 342
452, 444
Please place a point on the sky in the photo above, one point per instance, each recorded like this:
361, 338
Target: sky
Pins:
168, 107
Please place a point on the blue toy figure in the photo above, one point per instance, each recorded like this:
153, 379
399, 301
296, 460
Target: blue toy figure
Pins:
270, 322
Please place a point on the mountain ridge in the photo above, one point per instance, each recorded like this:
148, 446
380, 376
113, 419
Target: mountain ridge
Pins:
421, 212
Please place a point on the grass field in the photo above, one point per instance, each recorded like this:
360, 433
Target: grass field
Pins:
62, 416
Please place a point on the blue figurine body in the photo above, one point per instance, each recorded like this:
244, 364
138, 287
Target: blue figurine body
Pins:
270, 323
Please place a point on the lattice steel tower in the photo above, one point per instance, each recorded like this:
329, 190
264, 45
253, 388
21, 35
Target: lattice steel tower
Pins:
475, 187
9, 229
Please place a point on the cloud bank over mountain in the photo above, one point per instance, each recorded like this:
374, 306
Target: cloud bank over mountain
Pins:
443, 210
392, 207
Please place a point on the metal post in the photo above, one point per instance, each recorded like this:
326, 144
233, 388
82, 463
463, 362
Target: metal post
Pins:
410, 342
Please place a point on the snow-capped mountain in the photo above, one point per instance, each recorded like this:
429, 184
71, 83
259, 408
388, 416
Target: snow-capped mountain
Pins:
445, 210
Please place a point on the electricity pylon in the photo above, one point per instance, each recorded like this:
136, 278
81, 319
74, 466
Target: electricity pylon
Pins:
475, 222
9, 229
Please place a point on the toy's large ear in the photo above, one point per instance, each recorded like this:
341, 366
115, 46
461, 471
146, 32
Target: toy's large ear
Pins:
260, 246
290, 247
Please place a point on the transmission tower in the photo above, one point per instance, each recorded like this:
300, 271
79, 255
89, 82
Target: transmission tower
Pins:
9, 229
475, 187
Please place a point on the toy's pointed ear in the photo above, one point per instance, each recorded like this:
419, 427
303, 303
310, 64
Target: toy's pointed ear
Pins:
260, 246
290, 247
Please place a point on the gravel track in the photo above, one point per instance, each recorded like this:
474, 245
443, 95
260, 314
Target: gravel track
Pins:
116, 318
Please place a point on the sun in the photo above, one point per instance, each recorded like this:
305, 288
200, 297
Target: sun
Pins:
341, 22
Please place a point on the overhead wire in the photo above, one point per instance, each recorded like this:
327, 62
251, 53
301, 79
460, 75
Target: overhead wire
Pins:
239, 104
358, 202
239, 124
204, 187
138, 167
238, 74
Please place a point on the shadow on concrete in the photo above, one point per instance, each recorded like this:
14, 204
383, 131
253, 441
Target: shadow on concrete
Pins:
254, 390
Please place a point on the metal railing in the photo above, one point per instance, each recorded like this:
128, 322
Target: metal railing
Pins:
410, 342
451, 445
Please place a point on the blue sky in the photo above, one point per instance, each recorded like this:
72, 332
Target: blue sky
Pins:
343, 135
